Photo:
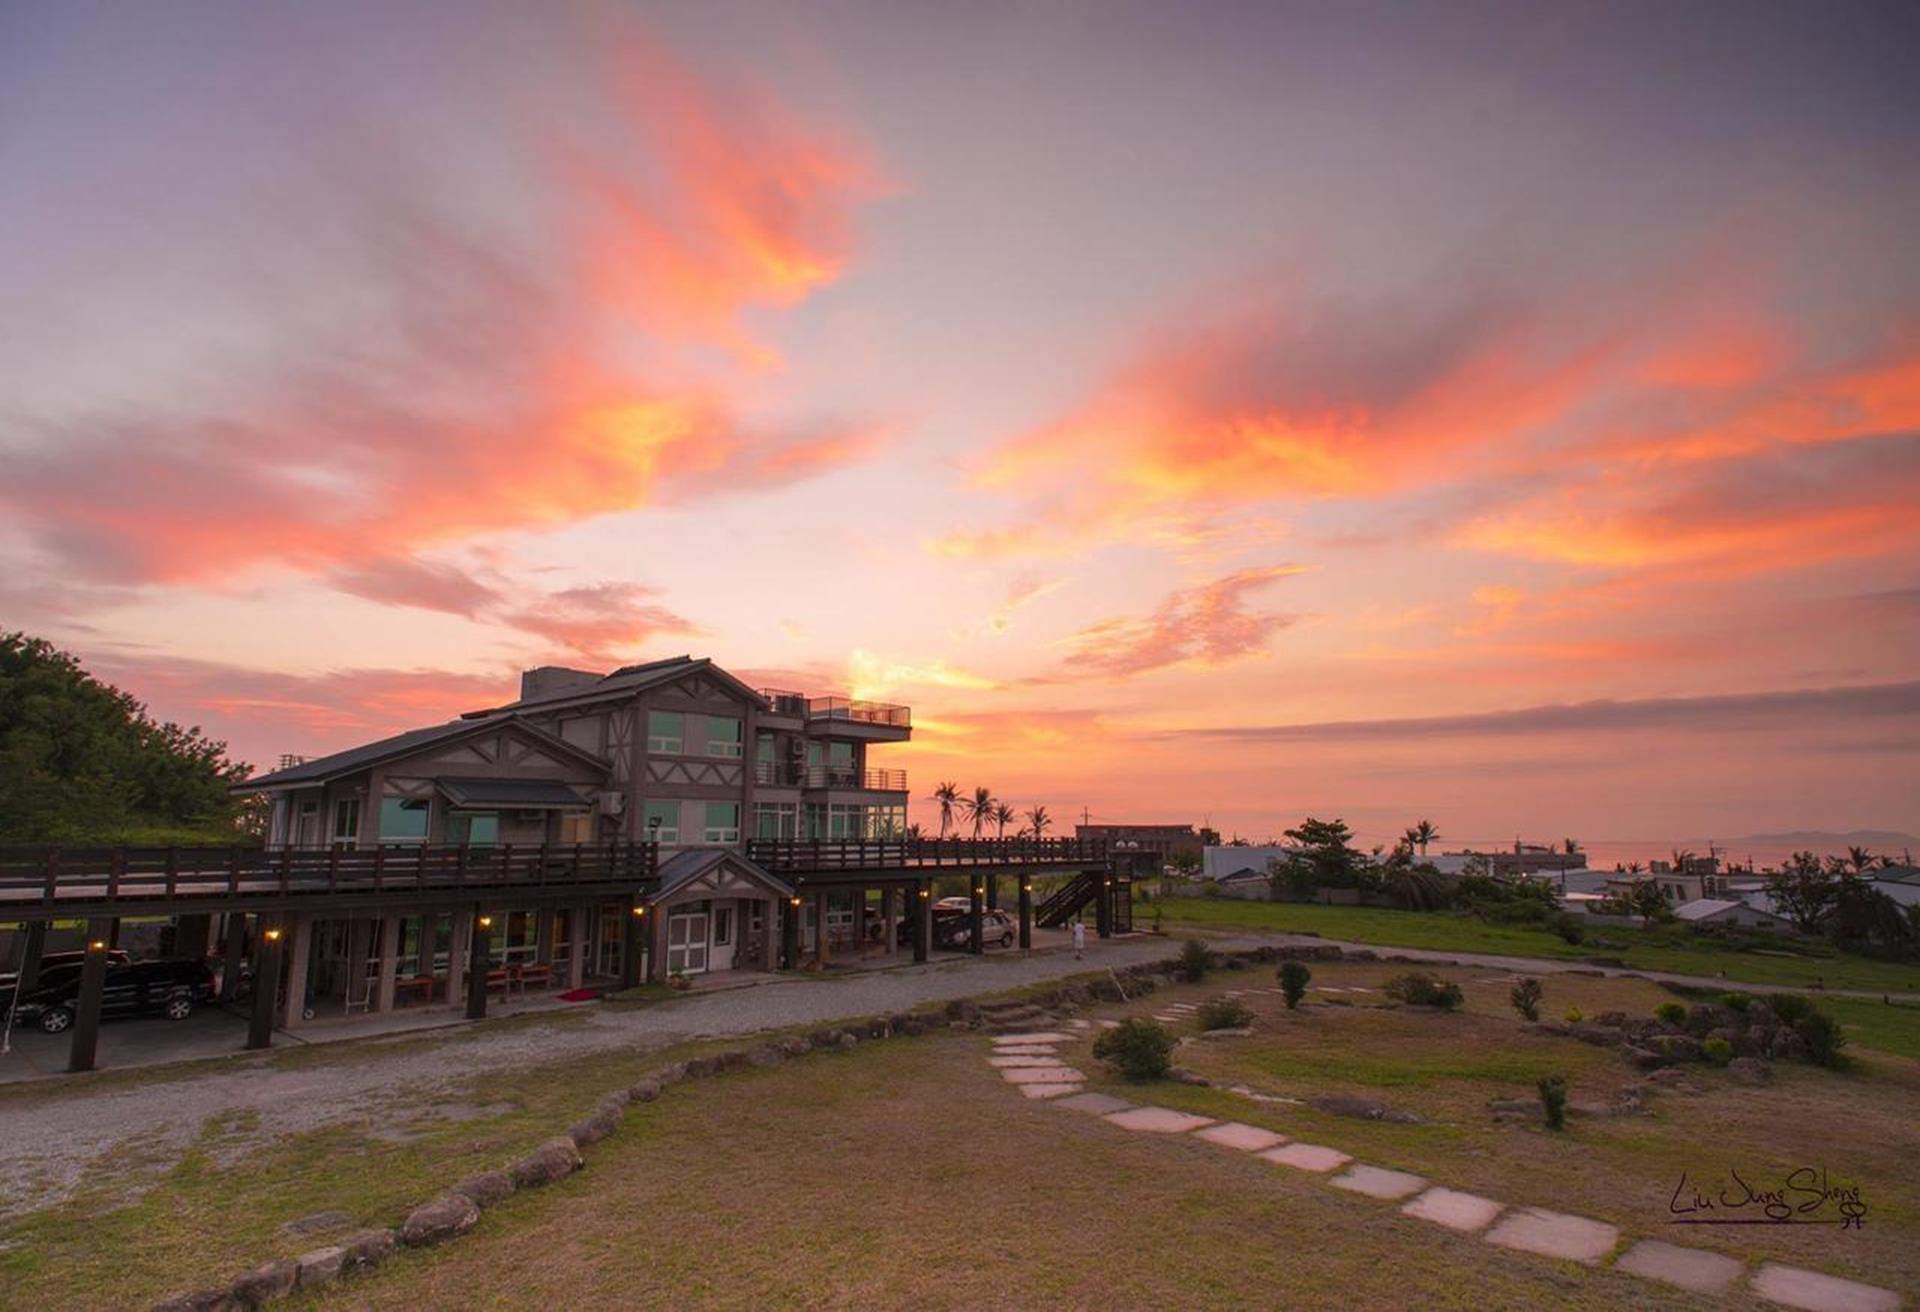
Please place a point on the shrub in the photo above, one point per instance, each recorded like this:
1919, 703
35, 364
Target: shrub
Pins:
1194, 960
1224, 1014
1210, 889
1569, 929
1791, 1008
1717, 1051
1526, 997
1737, 1001
1671, 1013
1823, 1037
1553, 1101
1293, 982
1141, 1049
1418, 990
1575, 1015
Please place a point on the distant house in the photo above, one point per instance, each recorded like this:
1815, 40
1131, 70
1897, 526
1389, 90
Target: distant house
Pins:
1730, 912
1901, 883
1253, 885
1218, 863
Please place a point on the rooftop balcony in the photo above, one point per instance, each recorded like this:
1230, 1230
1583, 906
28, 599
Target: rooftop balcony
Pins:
842, 717
859, 712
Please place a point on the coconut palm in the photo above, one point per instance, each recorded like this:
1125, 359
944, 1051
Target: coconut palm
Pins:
1571, 845
979, 809
1680, 858
1422, 834
1038, 820
948, 796
1003, 815
1861, 860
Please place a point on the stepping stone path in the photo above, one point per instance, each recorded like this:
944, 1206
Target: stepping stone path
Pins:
1689, 1268
1378, 1182
1158, 1120
1306, 1157
1453, 1209
1247, 1138
1028, 1062
1555, 1234
1817, 1293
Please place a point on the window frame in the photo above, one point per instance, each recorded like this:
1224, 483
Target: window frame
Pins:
668, 835
343, 807
727, 749
667, 744
713, 833
424, 805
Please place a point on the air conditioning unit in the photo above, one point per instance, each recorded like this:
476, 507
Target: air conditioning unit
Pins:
612, 803
796, 748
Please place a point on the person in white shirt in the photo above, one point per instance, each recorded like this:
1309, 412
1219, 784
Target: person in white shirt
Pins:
1079, 939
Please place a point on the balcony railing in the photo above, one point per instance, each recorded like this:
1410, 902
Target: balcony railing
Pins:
859, 712
802, 855
782, 702
788, 774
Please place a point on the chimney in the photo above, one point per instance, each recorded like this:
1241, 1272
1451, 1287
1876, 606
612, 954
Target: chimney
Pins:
554, 681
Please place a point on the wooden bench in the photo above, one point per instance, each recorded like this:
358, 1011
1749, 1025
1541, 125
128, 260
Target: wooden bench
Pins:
417, 987
499, 979
536, 974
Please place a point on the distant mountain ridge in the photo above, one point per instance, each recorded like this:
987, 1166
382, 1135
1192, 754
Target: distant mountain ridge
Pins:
1872, 838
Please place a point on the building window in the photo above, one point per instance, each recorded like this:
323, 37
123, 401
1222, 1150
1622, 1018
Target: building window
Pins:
723, 737
346, 820
774, 820
474, 828
723, 822
722, 926
666, 732
667, 831
403, 819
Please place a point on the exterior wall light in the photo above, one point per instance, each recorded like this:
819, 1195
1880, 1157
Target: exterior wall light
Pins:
925, 893
1026, 888
273, 936
796, 901
980, 890
98, 945
485, 922
639, 911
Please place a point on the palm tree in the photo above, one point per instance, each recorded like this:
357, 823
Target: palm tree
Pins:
1571, 845
979, 809
948, 795
914, 833
1861, 860
1038, 820
1634, 867
1422, 834
1003, 815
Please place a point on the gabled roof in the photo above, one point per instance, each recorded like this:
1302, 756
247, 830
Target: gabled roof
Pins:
322, 768
684, 867
512, 794
624, 682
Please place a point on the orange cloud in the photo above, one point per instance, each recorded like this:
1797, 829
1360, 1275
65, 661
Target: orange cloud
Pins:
488, 393
1207, 626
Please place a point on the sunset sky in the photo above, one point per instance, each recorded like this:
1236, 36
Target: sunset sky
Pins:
1503, 414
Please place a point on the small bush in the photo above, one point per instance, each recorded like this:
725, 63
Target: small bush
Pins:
1526, 997
1823, 1037
1553, 1101
1141, 1049
1575, 1015
1791, 1008
1736, 1001
1569, 929
1195, 960
1418, 990
1209, 889
1717, 1051
1671, 1013
1224, 1014
1293, 982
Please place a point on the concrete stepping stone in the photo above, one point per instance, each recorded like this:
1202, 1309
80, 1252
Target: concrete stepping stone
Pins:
1453, 1209
1015, 1063
1158, 1120
1097, 1104
1689, 1268
1109, 1024
1378, 1182
1796, 1287
1043, 1075
1016, 1040
1555, 1234
1038, 1050
1247, 1138
1181, 1006
1050, 1090
1077, 1024
1164, 1016
1306, 1157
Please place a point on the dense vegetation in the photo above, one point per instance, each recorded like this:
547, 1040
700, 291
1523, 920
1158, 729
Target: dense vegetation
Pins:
82, 762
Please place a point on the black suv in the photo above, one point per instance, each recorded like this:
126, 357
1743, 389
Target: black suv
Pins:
138, 988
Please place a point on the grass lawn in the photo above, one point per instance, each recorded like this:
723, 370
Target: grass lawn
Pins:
1858, 1124
1667, 950
908, 1175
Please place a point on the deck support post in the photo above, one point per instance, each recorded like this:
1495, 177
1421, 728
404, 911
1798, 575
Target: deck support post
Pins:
1026, 912
976, 917
993, 891
630, 946
299, 945
479, 961
234, 955
33, 946
1103, 908
391, 928
93, 984
266, 983
922, 919
821, 953
790, 933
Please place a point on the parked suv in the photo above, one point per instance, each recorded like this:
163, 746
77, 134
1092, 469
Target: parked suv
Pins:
47, 962
137, 988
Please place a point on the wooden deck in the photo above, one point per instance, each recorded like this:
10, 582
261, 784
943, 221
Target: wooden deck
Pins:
827, 860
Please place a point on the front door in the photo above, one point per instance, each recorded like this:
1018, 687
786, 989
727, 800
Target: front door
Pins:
687, 942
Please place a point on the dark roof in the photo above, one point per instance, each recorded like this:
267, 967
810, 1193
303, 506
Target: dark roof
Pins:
684, 867
523, 794
625, 681
323, 768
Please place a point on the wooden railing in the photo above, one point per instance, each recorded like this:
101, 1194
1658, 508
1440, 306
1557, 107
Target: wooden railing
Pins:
50, 877
801, 855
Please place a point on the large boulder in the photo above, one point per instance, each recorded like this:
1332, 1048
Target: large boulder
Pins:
1787, 1046
555, 1159
443, 1218
1645, 1059
487, 1188
263, 1284
592, 1128
767, 1054
645, 1090
369, 1247
320, 1267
